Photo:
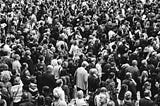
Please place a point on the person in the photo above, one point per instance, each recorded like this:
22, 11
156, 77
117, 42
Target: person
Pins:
131, 85
121, 95
93, 80
58, 90
103, 95
81, 77
16, 65
146, 101
48, 78
57, 101
16, 91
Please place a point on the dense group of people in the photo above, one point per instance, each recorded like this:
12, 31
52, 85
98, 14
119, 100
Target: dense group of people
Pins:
79, 52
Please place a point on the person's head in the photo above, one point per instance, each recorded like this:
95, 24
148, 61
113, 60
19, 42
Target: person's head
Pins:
128, 95
110, 103
24, 65
80, 94
85, 64
124, 87
45, 90
128, 75
134, 63
112, 75
16, 57
41, 58
27, 73
17, 81
59, 61
59, 82
103, 90
4, 67
5, 78
93, 71
49, 69
41, 100
28, 53
144, 74
144, 62
147, 93
147, 85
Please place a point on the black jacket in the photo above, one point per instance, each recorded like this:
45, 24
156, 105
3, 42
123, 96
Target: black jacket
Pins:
146, 102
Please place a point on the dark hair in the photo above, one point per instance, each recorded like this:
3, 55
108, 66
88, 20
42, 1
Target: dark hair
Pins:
41, 100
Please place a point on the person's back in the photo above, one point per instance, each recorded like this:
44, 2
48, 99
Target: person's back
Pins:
81, 78
48, 80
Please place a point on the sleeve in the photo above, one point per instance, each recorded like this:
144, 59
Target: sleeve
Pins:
86, 76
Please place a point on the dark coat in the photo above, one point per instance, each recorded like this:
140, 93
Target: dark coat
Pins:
145, 102
26, 103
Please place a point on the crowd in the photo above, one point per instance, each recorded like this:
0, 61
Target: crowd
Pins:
79, 53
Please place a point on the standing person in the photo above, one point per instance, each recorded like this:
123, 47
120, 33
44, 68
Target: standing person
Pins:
81, 77
59, 90
134, 70
48, 78
80, 100
57, 101
93, 80
146, 101
27, 59
129, 81
16, 91
16, 65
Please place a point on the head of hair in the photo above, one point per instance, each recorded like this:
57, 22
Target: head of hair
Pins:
110, 103
45, 89
111, 75
128, 95
59, 82
147, 93
128, 75
80, 94
134, 62
41, 100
